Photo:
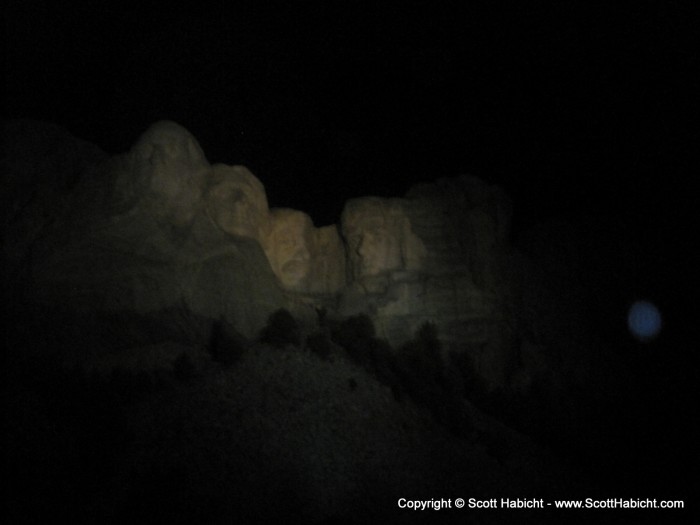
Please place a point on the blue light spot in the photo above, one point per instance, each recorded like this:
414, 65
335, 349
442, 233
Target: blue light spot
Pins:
644, 320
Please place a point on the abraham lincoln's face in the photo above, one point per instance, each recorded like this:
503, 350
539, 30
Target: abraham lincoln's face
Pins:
374, 243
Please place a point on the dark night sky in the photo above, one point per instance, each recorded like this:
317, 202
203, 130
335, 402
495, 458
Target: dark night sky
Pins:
574, 107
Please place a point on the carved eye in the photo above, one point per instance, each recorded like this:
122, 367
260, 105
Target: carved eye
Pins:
237, 196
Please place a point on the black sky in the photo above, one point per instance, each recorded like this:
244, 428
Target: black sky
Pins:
574, 107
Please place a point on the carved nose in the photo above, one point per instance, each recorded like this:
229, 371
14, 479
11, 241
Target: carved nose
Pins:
302, 254
362, 247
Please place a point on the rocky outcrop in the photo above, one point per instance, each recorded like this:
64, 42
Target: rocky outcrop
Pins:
159, 228
140, 236
236, 202
437, 256
41, 164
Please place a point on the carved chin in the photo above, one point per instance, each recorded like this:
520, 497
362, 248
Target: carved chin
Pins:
370, 268
293, 272
234, 227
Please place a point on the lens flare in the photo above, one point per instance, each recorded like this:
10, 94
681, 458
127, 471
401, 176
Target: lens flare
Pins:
644, 321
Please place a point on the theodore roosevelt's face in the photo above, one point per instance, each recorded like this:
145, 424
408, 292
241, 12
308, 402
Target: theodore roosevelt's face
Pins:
288, 247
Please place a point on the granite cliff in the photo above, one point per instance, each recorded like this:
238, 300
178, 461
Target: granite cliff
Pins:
158, 228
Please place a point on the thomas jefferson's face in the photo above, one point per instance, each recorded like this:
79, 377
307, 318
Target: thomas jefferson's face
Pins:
288, 249
237, 204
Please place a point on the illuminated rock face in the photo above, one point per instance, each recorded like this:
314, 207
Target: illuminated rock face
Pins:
304, 258
328, 262
435, 256
236, 201
372, 230
379, 240
288, 246
167, 173
162, 229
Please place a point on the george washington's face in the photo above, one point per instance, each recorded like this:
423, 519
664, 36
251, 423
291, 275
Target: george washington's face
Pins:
171, 163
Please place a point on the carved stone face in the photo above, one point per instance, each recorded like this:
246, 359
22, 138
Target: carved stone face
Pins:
170, 167
166, 143
373, 237
288, 247
236, 201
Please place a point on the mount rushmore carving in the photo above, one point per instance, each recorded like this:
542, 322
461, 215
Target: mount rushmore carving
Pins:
159, 227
